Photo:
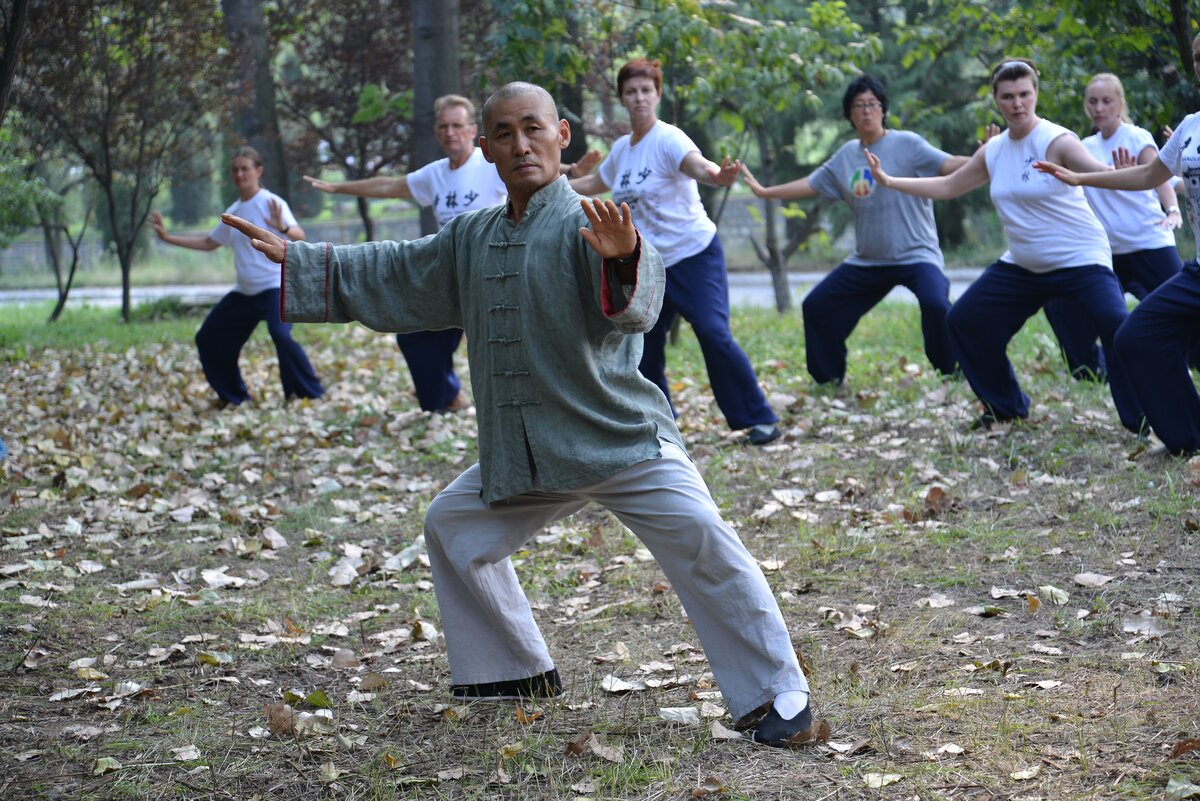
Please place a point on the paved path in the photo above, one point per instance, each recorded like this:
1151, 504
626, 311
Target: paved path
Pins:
745, 289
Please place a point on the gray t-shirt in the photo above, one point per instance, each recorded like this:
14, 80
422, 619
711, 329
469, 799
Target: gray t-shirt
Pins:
890, 227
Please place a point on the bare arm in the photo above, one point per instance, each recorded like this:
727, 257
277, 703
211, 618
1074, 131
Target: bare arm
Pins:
792, 190
971, 175
1166, 194
700, 169
190, 241
1070, 152
953, 163
379, 186
1143, 176
589, 185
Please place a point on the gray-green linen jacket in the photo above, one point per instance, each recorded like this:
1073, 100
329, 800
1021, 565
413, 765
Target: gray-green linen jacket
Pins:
553, 338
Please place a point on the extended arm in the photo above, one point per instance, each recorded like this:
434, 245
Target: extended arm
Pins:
971, 175
792, 190
190, 241
379, 186
1143, 176
386, 286
589, 185
1172, 217
700, 169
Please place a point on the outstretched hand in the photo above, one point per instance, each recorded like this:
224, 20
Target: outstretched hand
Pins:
158, 226
275, 214
990, 131
1123, 158
270, 244
586, 164
881, 177
1059, 172
323, 186
751, 181
727, 173
612, 234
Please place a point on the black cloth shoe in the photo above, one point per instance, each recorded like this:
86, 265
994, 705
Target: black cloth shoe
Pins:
776, 732
763, 434
543, 685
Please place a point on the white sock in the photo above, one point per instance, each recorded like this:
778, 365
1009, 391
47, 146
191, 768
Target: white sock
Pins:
791, 703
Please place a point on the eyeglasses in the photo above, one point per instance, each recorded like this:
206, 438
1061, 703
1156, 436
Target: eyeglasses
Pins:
865, 106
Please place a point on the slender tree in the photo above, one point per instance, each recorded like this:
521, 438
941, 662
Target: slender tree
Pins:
14, 16
257, 120
435, 44
116, 85
353, 89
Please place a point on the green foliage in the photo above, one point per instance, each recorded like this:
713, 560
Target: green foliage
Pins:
375, 103
1070, 40
548, 42
21, 193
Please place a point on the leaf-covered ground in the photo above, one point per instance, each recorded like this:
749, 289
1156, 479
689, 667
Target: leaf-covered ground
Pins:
234, 604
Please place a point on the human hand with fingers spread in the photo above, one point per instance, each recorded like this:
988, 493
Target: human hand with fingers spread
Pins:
728, 172
881, 177
158, 226
270, 244
612, 234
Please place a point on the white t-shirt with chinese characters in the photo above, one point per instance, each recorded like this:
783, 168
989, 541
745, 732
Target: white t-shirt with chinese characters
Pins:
451, 192
1049, 224
255, 272
1130, 217
1181, 155
665, 202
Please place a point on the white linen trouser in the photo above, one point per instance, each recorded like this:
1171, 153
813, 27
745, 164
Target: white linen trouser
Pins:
490, 632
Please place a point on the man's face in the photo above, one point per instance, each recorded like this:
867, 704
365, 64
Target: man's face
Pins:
456, 132
525, 140
1196, 56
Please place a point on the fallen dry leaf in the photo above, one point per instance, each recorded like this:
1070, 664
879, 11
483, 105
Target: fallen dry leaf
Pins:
1091, 579
878, 780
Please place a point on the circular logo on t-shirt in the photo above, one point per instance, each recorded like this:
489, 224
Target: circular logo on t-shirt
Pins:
862, 183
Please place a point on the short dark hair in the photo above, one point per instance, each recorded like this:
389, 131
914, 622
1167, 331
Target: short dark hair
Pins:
640, 68
864, 83
1014, 69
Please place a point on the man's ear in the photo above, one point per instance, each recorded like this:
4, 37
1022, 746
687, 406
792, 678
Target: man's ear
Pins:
564, 134
483, 145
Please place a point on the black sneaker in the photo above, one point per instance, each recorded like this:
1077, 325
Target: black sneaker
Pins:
543, 685
763, 434
776, 732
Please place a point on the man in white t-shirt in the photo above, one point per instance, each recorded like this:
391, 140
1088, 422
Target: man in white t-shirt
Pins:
463, 181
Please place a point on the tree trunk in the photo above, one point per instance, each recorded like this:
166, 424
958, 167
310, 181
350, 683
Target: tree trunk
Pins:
14, 37
257, 120
1181, 28
435, 42
774, 258
364, 213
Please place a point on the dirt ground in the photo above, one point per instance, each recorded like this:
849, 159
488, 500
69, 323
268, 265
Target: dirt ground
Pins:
982, 616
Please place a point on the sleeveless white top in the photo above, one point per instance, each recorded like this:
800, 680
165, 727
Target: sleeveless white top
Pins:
1049, 225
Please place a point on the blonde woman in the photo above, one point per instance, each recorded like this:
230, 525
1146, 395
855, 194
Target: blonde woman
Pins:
1140, 224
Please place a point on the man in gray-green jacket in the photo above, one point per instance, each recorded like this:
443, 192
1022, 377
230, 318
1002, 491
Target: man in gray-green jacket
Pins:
554, 291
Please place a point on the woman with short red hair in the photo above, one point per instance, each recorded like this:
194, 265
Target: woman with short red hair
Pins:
655, 169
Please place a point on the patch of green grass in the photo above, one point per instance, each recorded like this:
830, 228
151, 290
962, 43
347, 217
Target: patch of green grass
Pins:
24, 330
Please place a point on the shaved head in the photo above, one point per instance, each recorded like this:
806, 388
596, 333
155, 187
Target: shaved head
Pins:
510, 91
